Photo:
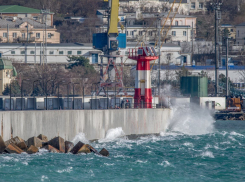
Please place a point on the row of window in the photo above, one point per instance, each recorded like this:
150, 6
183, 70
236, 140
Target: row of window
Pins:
193, 5
150, 33
23, 35
50, 52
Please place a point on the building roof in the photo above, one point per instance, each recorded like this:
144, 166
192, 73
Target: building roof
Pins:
241, 24
15, 23
5, 64
18, 9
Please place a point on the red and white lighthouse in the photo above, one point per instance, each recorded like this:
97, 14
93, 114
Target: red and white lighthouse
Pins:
143, 92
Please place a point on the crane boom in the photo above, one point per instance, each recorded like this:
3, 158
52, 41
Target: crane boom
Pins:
114, 17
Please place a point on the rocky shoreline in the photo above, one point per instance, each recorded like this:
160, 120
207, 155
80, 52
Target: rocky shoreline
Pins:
17, 145
229, 116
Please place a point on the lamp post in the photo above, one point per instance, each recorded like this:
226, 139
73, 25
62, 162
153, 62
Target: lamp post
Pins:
59, 93
10, 94
73, 94
47, 93
33, 88
68, 95
22, 91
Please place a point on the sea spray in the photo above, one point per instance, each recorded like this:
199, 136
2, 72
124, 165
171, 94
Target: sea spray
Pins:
80, 137
191, 120
112, 134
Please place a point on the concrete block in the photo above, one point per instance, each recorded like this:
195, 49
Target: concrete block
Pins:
13, 149
32, 150
2, 144
77, 147
43, 138
94, 150
58, 143
68, 146
84, 149
51, 149
34, 141
104, 152
22, 146
16, 140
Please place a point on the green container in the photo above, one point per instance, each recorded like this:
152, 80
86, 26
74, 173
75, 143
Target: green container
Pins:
194, 86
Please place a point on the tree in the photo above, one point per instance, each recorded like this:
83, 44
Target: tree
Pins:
81, 61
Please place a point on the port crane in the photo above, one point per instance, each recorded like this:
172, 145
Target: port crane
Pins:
109, 43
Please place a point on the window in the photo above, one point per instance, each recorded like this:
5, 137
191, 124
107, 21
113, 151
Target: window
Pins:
173, 33
51, 52
32, 52
127, 32
238, 43
200, 5
23, 35
38, 35
5, 34
140, 33
193, 6
22, 52
69, 52
150, 33
176, 23
49, 35
184, 33
132, 33
79, 52
14, 35
238, 33
169, 56
231, 30
12, 52
41, 52
61, 52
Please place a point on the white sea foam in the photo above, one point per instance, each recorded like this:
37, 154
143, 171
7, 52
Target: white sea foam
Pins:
188, 144
43, 178
236, 134
68, 170
80, 137
165, 163
207, 154
140, 161
191, 121
112, 134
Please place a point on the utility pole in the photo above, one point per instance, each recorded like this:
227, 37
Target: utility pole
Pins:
227, 77
45, 12
27, 40
159, 55
192, 43
216, 7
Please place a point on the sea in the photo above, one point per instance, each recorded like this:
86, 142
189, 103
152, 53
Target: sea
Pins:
194, 147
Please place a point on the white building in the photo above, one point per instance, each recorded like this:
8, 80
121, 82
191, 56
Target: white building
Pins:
240, 34
58, 53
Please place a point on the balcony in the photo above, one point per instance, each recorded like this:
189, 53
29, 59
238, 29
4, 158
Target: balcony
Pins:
24, 40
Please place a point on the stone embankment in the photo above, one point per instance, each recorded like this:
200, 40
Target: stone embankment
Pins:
17, 145
230, 116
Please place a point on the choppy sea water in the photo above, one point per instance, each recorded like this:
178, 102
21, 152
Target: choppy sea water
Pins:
181, 153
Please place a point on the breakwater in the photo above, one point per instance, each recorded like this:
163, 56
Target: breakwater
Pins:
93, 123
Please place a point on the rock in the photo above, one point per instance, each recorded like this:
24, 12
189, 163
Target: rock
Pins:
77, 147
43, 138
84, 149
34, 141
51, 149
2, 145
16, 140
22, 146
32, 150
58, 143
104, 152
68, 146
94, 150
13, 149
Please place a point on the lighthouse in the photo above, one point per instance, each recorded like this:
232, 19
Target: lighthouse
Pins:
143, 92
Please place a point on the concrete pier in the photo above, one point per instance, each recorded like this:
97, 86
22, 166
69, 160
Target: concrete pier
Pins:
94, 123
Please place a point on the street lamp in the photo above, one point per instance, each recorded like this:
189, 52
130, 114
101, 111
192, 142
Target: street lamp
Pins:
10, 94
62, 81
73, 94
22, 91
33, 88
47, 94
68, 94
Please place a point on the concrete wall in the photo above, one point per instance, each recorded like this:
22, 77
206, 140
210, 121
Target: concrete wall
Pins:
94, 123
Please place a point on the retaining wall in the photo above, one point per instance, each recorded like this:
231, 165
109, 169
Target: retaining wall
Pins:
94, 123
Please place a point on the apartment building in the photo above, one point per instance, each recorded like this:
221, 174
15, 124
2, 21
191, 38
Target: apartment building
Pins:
15, 29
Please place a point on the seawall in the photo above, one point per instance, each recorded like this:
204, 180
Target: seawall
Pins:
94, 123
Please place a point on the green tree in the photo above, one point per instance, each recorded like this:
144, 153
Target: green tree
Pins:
81, 61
